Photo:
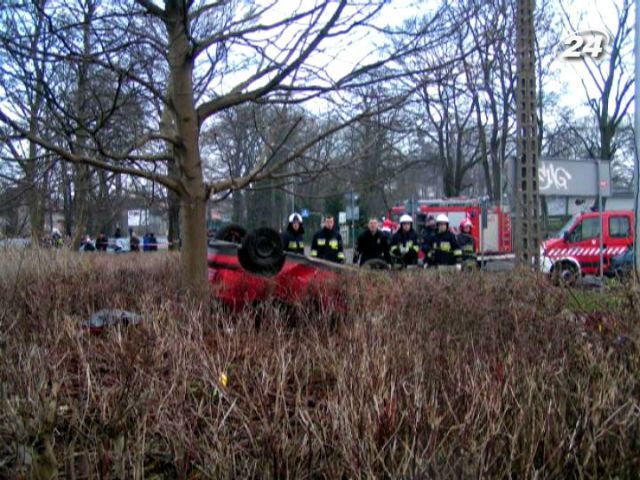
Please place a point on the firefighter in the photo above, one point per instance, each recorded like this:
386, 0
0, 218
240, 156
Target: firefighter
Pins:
56, 238
428, 233
467, 243
293, 237
443, 248
465, 239
372, 244
327, 242
404, 243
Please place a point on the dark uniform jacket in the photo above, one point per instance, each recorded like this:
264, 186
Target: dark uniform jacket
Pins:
152, 243
134, 244
102, 243
373, 245
444, 249
405, 245
427, 238
88, 247
293, 241
467, 244
327, 244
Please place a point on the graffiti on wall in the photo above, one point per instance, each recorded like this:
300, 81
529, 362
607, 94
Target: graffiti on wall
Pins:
553, 177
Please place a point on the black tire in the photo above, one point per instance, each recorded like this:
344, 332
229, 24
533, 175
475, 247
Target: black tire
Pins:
375, 264
261, 252
231, 233
565, 274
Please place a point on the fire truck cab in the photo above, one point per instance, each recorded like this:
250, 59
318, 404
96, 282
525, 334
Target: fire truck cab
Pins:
575, 249
493, 239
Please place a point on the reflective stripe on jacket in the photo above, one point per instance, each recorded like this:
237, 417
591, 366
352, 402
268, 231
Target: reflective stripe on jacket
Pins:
327, 244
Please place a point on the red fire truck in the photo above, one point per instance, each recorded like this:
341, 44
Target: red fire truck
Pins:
493, 236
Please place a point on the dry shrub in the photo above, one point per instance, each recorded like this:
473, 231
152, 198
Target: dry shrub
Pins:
424, 375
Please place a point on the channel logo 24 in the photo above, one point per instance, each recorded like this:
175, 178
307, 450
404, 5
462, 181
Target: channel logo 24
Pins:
587, 43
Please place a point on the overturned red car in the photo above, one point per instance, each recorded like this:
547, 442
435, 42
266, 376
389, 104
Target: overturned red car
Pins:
247, 268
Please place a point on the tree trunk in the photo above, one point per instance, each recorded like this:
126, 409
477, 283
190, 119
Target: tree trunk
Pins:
34, 205
83, 172
173, 201
34, 194
193, 252
237, 215
194, 193
448, 184
80, 204
102, 211
497, 181
67, 203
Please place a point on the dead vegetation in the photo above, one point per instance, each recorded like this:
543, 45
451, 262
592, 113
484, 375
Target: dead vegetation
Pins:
425, 376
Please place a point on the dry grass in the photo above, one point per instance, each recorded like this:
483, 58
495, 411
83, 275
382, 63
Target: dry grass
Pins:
425, 376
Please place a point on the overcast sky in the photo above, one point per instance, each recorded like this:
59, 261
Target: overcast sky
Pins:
599, 15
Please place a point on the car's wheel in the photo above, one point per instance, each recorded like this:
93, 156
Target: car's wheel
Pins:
565, 274
231, 233
376, 264
261, 252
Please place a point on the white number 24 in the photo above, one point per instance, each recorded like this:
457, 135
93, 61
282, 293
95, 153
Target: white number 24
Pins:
579, 44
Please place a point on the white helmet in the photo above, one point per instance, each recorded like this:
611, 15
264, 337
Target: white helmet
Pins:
295, 217
406, 219
442, 218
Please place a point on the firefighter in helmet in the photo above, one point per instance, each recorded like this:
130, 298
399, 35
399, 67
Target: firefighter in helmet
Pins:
465, 238
327, 242
404, 243
443, 248
293, 236
467, 243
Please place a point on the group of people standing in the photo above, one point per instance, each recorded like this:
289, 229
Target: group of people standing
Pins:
102, 242
326, 243
438, 243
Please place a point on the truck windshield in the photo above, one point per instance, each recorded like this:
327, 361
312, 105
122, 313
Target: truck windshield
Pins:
566, 226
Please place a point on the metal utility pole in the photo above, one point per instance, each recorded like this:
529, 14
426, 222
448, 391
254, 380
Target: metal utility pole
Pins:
526, 163
636, 170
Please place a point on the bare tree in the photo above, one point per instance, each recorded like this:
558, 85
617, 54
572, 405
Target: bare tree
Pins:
20, 79
198, 59
450, 115
613, 81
